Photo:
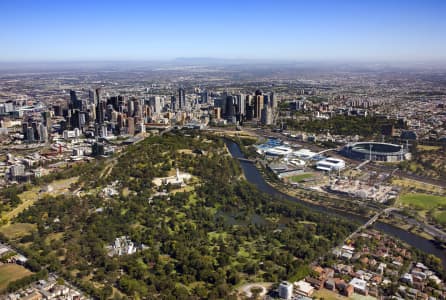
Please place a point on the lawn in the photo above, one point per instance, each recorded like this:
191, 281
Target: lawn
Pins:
428, 148
28, 198
423, 201
9, 273
440, 217
301, 177
17, 230
327, 295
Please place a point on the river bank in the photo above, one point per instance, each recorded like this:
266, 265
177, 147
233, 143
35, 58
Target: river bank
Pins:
253, 175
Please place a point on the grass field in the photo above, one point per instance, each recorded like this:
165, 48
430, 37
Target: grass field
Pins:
17, 230
28, 198
440, 217
9, 273
327, 295
301, 177
422, 201
428, 148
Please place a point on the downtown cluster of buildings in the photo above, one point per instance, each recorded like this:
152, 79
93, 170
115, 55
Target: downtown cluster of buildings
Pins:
87, 121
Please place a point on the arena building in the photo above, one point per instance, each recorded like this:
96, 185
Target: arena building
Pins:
376, 151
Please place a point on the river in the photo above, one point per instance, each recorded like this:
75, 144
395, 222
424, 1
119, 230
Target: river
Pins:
253, 176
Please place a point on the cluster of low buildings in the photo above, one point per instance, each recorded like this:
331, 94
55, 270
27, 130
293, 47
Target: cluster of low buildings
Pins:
367, 265
48, 289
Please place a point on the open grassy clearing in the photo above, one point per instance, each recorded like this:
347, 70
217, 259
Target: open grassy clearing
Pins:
28, 198
428, 148
9, 273
17, 230
301, 177
440, 217
422, 201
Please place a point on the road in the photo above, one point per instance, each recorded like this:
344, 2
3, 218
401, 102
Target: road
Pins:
371, 221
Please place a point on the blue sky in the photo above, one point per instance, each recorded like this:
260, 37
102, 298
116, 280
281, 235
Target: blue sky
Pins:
366, 30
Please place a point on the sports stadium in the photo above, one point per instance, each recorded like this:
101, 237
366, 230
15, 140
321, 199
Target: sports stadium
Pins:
376, 151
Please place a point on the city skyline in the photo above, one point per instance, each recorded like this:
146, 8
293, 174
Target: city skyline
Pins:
251, 30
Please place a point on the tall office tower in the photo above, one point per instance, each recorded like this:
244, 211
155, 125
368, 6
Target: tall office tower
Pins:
30, 136
241, 105
121, 103
25, 130
229, 107
74, 102
204, 97
109, 110
46, 119
181, 98
75, 120
98, 96
173, 103
155, 103
130, 108
273, 101
91, 96
267, 116
138, 109
100, 112
113, 101
258, 104
43, 133
131, 126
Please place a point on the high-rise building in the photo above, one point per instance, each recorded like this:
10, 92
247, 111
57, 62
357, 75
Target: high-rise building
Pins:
43, 133
91, 97
131, 126
155, 103
258, 106
229, 107
181, 98
285, 290
204, 97
100, 112
173, 103
75, 103
98, 96
46, 119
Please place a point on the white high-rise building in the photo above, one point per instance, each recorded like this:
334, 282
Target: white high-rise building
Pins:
285, 290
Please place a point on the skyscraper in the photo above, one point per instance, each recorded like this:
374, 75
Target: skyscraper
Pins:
75, 103
258, 104
100, 112
181, 98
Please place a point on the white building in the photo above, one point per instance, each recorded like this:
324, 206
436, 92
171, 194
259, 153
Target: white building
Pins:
178, 179
278, 151
330, 164
285, 290
304, 154
123, 245
304, 288
359, 285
